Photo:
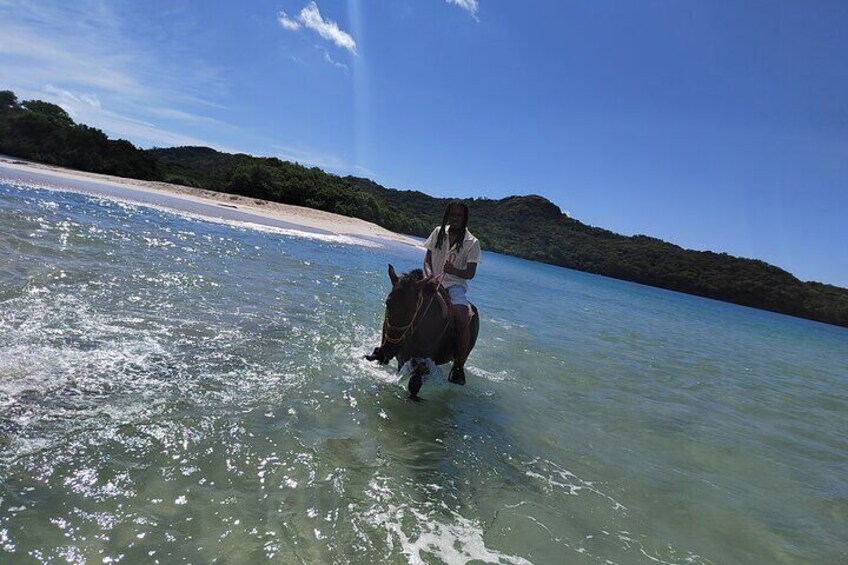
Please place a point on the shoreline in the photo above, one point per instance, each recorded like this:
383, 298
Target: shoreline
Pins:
215, 205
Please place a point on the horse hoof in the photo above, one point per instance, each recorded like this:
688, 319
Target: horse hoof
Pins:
457, 376
376, 355
414, 385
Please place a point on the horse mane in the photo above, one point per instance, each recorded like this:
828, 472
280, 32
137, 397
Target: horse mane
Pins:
406, 280
414, 275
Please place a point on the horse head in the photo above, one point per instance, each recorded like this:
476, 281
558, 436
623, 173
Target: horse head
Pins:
402, 301
402, 305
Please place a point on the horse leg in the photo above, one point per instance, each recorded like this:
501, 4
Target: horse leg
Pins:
416, 379
401, 359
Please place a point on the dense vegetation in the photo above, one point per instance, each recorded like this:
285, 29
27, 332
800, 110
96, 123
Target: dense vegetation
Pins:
44, 132
269, 178
524, 226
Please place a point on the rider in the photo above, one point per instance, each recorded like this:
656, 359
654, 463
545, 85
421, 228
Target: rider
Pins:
454, 253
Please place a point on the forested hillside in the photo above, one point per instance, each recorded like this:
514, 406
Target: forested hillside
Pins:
44, 132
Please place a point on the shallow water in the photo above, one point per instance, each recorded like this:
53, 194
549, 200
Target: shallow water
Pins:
173, 389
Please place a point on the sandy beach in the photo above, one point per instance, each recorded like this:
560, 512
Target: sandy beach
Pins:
198, 200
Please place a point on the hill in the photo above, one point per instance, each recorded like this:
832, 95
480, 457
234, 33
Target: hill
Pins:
524, 226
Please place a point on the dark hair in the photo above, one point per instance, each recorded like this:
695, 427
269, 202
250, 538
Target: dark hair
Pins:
461, 238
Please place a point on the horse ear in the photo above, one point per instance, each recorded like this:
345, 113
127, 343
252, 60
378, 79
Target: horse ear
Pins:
392, 275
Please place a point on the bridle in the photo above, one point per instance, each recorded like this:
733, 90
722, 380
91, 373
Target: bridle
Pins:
409, 329
404, 330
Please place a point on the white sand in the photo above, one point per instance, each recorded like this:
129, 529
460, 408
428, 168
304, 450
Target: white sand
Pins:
307, 218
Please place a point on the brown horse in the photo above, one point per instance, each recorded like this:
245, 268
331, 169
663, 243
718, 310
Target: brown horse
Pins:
417, 326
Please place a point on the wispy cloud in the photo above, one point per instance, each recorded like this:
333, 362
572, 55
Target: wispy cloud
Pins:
470, 6
310, 157
86, 108
329, 59
287, 22
310, 18
69, 100
79, 56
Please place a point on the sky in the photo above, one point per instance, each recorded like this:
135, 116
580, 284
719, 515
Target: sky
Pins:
717, 125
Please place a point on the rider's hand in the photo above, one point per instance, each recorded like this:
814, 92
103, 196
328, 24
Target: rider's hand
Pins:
449, 268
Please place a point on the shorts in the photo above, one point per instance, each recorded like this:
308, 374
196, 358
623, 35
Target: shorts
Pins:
457, 295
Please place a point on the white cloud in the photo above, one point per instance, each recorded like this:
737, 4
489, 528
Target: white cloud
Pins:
287, 22
310, 17
469, 6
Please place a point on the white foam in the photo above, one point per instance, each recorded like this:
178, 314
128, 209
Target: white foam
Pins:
432, 374
555, 477
494, 376
423, 536
368, 339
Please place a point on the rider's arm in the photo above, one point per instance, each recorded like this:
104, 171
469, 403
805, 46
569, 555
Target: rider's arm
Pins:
428, 264
467, 273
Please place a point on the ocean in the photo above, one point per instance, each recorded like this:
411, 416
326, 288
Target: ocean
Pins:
175, 389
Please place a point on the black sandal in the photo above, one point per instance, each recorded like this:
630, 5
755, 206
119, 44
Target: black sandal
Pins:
457, 375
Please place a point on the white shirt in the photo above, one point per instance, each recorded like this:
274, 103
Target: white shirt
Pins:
468, 253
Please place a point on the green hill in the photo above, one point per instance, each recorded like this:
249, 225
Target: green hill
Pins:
44, 132
524, 226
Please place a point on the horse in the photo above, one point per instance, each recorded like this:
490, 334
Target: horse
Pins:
417, 325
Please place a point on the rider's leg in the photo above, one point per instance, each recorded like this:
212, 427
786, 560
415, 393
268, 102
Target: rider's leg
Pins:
463, 335
460, 313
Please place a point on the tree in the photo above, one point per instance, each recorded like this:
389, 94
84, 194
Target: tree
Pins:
8, 100
55, 113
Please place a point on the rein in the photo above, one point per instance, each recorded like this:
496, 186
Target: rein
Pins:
409, 328
403, 329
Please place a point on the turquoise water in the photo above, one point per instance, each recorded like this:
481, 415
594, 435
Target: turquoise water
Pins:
176, 390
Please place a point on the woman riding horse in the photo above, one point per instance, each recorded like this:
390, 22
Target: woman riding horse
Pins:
418, 324
453, 254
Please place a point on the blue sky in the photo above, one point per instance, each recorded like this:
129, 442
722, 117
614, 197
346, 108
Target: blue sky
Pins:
713, 125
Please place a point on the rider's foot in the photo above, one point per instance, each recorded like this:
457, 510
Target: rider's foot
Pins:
457, 375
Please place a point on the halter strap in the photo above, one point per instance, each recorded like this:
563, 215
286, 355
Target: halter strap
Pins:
403, 329
409, 328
